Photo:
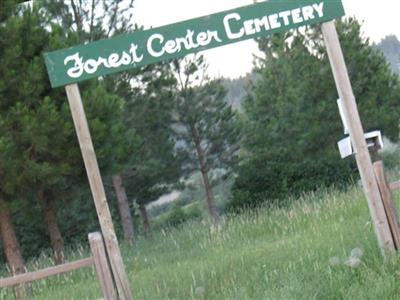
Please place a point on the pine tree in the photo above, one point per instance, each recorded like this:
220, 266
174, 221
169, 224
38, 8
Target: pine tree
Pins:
12, 162
206, 126
154, 169
8, 8
92, 19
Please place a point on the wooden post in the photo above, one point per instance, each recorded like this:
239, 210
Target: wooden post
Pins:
356, 131
102, 268
97, 188
388, 202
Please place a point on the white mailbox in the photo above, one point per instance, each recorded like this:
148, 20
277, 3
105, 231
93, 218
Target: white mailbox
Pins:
373, 139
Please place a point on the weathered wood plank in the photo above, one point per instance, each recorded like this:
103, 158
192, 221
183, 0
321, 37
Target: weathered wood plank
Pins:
102, 267
41, 274
356, 131
98, 192
388, 203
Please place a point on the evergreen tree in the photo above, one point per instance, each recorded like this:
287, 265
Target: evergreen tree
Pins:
12, 162
154, 170
7, 8
91, 19
36, 116
292, 121
205, 126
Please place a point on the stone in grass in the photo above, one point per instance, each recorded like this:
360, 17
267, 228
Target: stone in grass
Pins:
334, 261
356, 253
200, 291
353, 262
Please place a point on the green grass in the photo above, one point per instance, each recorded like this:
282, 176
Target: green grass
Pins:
267, 254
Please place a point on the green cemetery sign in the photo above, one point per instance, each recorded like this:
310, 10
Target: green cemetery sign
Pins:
176, 40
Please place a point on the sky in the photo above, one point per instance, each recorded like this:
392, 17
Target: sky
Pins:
380, 18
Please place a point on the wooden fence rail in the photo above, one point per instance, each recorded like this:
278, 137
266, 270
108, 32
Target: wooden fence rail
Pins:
98, 259
41, 274
395, 186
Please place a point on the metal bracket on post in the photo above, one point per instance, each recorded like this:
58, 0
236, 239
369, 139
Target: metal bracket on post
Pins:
373, 139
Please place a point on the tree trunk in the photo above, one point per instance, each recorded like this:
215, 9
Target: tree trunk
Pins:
145, 219
204, 173
50, 218
210, 199
12, 249
78, 20
124, 210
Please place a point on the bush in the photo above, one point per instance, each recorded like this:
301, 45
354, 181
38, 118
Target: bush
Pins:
275, 181
178, 215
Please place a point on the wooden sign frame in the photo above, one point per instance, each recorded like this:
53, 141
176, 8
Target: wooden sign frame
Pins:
380, 221
144, 47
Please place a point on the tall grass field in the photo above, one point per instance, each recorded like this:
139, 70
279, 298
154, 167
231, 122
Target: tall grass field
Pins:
305, 251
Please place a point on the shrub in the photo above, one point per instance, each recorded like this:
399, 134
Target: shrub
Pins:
275, 181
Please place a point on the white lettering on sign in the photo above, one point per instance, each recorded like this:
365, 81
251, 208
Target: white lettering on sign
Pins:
157, 46
235, 28
90, 66
232, 35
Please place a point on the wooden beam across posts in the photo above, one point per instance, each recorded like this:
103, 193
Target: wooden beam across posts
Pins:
388, 203
41, 274
363, 158
102, 267
98, 192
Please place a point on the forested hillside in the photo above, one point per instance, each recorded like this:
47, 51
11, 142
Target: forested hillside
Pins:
237, 87
390, 47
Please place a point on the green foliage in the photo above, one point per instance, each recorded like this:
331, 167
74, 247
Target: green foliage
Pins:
176, 216
30, 119
154, 169
279, 179
113, 139
205, 127
291, 118
8, 8
376, 88
92, 19
176, 213
391, 156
